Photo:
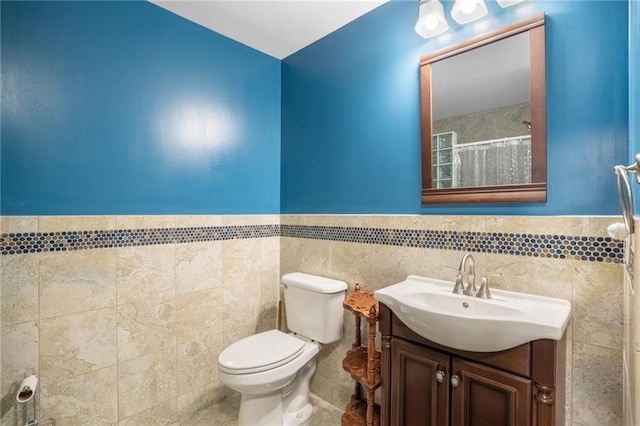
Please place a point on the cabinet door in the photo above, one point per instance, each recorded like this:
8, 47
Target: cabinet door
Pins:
419, 385
489, 397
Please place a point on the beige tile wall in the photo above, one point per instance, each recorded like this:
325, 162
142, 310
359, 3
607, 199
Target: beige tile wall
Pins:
130, 335
594, 349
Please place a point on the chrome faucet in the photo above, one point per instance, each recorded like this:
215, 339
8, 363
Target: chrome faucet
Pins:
466, 279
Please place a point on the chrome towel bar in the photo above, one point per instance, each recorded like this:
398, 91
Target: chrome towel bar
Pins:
624, 191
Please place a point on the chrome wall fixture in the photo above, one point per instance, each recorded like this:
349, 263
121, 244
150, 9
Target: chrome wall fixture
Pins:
624, 191
432, 22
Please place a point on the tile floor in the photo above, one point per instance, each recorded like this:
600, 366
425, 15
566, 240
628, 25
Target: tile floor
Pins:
226, 413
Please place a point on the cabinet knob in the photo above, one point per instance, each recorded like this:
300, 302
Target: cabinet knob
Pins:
440, 376
455, 380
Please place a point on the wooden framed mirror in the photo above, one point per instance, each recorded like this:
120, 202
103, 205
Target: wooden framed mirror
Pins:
483, 117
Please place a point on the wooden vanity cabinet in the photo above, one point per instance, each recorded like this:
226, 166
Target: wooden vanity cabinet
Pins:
418, 396
488, 396
521, 386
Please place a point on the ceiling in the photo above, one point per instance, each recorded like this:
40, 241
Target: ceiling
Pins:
277, 28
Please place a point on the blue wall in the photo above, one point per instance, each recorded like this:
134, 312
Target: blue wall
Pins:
125, 108
351, 136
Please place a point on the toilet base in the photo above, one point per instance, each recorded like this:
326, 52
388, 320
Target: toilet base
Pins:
298, 410
262, 409
301, 417
285, 407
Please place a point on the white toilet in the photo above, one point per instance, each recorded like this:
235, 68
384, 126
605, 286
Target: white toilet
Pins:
272, 370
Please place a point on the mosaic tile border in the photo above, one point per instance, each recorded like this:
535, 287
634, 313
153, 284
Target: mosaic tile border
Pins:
590, 249
584, 248
36, 242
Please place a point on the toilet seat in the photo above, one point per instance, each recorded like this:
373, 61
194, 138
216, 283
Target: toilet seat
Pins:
260, 352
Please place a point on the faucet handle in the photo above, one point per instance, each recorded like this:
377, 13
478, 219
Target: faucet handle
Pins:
471, 289
484, 292
458, 288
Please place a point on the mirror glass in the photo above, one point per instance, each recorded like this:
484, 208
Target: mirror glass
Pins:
484, 118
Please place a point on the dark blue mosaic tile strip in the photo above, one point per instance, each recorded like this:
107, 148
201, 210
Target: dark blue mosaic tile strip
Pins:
591, 249
36, 242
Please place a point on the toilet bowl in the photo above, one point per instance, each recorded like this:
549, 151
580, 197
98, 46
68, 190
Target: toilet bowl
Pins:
272, 370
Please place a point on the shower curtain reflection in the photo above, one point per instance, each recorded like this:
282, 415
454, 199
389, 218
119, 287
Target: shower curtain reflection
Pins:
504, 161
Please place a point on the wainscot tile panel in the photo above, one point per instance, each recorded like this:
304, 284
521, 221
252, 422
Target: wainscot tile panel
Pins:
78, 281
146, 327
87, 399
19, 352
76, 344
567, 257
163, 295
19, 278
165, 414
146, 382
123, 317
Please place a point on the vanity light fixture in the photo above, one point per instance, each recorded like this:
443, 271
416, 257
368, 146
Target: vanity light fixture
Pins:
465, 11
507, 3
431, 20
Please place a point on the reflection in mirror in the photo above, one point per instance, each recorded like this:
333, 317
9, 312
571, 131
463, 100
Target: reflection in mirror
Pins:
481, 119
484, 118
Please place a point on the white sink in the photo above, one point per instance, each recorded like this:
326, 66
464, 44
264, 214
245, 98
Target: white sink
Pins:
430, 308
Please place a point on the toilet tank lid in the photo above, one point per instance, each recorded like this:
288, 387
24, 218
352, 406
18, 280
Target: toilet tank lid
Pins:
314, 282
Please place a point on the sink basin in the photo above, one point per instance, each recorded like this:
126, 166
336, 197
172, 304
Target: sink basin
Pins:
430, 308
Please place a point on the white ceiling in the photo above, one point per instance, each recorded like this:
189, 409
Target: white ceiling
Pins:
277, 28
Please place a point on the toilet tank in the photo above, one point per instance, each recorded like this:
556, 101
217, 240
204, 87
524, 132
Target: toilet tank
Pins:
313, 305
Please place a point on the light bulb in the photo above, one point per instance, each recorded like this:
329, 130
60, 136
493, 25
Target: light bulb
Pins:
468, 6
430, 22
465, 11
